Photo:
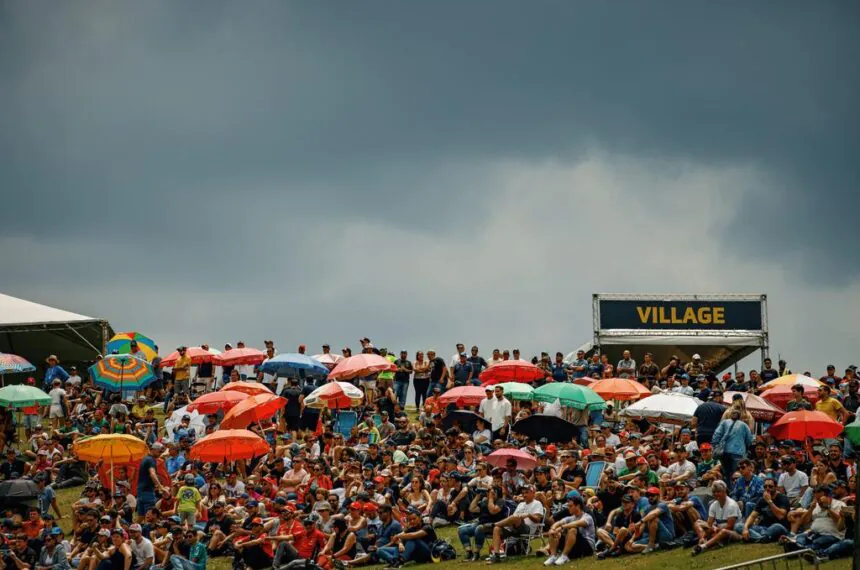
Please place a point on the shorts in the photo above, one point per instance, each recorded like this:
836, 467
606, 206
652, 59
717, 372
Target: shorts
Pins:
191, 517
293, 422
368, 384
145, 501
181, 386
521, 529
663, 535
580, 549
56, 412
31, 420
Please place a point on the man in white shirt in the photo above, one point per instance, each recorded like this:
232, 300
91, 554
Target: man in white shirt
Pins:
141, 547
723, 514
73, 379
498, 411
823, 517
266, 378
682, 470
461, 348
527, 517
792, 482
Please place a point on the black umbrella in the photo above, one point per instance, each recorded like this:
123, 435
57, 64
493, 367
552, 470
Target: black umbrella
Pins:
465, 420
18, 490
540, 426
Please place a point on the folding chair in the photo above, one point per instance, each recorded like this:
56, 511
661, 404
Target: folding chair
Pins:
525, 539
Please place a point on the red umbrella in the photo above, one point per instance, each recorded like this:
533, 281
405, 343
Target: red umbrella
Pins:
499, 458
463, 396
229, 445
780, 395
801, 425
585, 381
240, 357
251, 388
253, 409
621, 389
511, 371
197, 355
361, 365
760, 408
212, 402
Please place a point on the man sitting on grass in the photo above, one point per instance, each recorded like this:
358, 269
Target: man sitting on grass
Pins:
723, 515
574, 534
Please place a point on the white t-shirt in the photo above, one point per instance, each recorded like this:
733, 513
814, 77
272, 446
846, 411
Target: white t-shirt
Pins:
722, 513
74, 380
678, 469
613, 440
793, 483
823, 524
533, 508
496, 411
268, 379
142, 550
56, 395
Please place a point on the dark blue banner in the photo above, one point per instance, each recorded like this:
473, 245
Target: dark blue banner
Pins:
680, 315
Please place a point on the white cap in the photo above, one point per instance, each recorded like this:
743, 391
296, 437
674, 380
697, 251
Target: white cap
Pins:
696, 357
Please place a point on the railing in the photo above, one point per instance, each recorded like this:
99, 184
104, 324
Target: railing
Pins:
774, 561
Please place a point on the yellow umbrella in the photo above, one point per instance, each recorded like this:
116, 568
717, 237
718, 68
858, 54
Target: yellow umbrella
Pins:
112, 447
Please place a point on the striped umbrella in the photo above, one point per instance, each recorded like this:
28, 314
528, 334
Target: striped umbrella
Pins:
120, 343
12, 363
117, 372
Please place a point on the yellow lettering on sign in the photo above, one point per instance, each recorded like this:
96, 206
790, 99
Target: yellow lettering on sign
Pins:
644, 314
719, 315
704, 315
689, 315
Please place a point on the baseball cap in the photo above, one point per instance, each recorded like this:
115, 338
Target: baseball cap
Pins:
704, 446
652, 491
135, 528
641, 461
256, 520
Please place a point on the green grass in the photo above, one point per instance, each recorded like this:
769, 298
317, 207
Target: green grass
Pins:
677, 558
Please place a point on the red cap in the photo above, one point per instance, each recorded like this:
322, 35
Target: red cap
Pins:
641, 461
378, 479
370, 508
356, 505
585, 452
652, 491
257, 520
551, 448
290, 508
704, 446
31, 380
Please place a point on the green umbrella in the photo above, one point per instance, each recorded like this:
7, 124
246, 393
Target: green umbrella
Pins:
570, 395
517, 390
23, 396
852, 432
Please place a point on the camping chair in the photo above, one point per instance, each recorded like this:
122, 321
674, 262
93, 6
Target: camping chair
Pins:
524, 541
346, 420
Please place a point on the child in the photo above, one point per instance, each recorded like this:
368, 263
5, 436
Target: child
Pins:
188, 499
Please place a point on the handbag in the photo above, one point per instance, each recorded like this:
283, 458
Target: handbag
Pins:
721, 447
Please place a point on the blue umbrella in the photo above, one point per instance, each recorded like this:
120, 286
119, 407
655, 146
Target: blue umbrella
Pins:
294, 365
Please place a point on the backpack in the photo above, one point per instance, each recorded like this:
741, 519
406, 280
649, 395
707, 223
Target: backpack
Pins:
442, 551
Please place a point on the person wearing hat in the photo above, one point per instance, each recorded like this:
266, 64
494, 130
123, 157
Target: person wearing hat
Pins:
686, 510
54, 372
54, 554
720, 527
147, 479
255, 549
527, 517
182, 371
74, 380
656, 526
188, 502
141, 547
615, 534
573, 536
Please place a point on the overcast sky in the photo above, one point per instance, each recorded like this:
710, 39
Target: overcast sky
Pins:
429, 172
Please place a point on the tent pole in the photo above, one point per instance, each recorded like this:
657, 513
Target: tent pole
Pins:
83, 338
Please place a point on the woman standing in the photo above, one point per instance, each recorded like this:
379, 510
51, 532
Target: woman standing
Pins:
421, 379
733, 437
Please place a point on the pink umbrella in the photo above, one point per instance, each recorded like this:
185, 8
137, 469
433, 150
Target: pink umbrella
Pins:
328, 360
511, 371
361, 365
240, 357
195, 353
500, 457
463, 396
760, 408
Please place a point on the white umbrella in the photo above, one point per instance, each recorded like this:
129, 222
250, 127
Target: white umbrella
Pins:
667, 407
337, 395
329, 360
197, 423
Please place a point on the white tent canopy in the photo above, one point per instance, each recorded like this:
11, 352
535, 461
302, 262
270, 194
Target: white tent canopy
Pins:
34, 331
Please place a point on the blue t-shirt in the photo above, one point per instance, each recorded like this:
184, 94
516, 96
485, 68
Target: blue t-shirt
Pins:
595, 369
55, 372
559, 372
665, 516
461, 373
145, 484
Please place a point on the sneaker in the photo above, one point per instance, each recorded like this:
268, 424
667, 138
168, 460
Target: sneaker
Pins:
494, 558
649, 549
602, 555
475, 557
696, 550
562, 560
550, 561
467, 557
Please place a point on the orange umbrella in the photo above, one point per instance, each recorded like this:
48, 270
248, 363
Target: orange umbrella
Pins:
361, 365
791, 380
253, 409
621, 389
229, 445
213, 401
800, 425
250, 388
195, 353
780, 395
240, 357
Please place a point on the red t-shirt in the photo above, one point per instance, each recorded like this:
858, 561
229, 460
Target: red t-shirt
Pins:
308, 542
266, 545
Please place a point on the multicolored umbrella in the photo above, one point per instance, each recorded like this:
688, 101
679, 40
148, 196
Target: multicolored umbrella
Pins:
13, 364
246, 387
781, 395
801, 425
791, 380
570, 395
120, 343
511, 371
240, 357
335, 395
229, 445
253, 409
195, 353
117, 372
23, 396
517, 391
213, 401
294, 365
360, 365
463, 396
621, 389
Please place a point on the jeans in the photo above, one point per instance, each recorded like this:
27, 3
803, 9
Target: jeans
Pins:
840, 549
760, 533
416, 550
437, 385
179, 563
816, 542
467, 531
400, 389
